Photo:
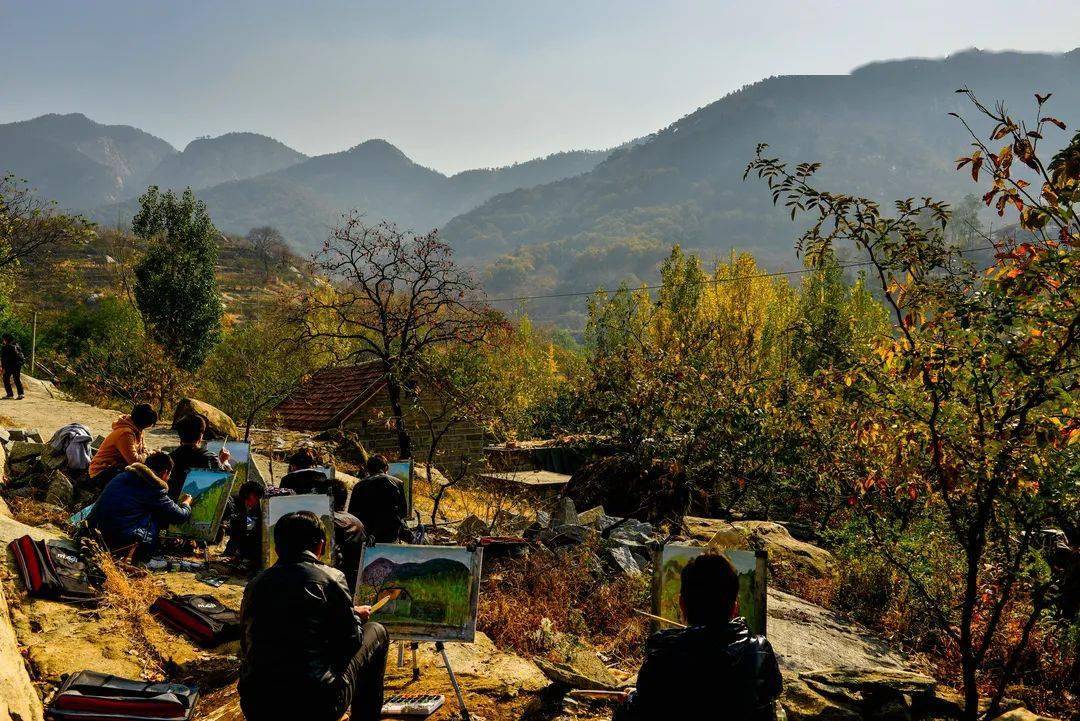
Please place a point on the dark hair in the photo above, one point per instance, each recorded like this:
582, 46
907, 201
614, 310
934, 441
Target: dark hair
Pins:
297, 532
710, 586
143, 416
248, 488
303, 458
7, 338
191, 428
159, 462
378, 464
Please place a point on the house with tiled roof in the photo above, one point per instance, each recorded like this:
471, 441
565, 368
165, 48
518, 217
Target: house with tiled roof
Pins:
354, 398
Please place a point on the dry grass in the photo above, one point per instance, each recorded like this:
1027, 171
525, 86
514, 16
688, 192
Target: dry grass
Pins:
574, 594
37, 513
129, 597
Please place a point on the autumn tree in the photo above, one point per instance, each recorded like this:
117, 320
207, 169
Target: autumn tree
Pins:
962, 417
393, 296
268, 245
31, 226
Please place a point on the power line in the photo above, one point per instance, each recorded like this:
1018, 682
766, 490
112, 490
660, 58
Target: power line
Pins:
713, 281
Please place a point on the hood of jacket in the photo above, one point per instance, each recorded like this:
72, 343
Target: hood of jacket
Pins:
125, 423
148, 476
733, 633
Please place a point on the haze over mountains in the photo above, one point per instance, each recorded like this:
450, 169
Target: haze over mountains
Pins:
575, 220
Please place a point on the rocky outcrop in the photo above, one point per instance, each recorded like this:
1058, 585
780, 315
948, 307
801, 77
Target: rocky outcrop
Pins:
847, 694
485, 669
784, 550
18, 699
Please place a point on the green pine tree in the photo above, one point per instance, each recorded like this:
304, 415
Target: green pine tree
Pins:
175, 287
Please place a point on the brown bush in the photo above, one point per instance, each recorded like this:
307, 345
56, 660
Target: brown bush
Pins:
570, 589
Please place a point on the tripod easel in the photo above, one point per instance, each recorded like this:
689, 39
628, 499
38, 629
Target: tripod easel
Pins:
441, 648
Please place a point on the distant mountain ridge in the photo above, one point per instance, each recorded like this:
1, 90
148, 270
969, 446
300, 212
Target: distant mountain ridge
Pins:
881, 131
233, 156
305, 199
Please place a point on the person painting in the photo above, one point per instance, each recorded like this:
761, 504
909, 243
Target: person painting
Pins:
245, 524
306, 651
135, 506
379, 502
714, 657
12, 359
191, 455
122, 447
303, 477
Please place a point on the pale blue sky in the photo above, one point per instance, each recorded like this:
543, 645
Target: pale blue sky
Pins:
460, 84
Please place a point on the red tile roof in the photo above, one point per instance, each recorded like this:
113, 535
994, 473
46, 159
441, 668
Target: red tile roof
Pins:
329, 397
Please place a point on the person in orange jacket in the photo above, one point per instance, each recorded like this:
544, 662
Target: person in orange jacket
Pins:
122, 447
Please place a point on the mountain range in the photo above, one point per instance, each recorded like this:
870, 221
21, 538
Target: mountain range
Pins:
578, 219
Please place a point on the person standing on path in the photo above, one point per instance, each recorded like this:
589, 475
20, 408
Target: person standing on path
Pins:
12, 359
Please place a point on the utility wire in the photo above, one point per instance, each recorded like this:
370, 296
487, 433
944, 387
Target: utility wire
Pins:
712, 281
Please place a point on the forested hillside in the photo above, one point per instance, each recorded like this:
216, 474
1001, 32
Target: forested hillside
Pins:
883, 130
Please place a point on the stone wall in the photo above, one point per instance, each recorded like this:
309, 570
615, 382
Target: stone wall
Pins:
465, 440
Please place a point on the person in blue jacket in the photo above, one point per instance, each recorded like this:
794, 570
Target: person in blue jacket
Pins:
135, 506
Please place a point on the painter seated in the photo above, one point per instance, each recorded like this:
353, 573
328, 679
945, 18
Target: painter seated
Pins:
379, 502
192, 455
303, 477
713, 663
135, 506
307, 652
123, 446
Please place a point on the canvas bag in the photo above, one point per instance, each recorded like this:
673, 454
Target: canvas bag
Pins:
204, 619
89, 696
50, 570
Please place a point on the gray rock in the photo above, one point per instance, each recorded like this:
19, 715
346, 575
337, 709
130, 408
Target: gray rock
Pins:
592, 517
60, 492
470, 529
54, 460
577, 665
23, 450
623, 559
564, 513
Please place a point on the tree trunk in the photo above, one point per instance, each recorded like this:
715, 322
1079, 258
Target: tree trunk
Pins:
393, 390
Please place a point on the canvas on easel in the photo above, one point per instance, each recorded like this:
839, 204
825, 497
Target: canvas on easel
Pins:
276, 507
209, 491
404, 471
751, 566
243, 465
433, 590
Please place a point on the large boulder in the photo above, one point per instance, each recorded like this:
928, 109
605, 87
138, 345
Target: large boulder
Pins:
575, 664
218, 424
784, 551
483, 668
848, 694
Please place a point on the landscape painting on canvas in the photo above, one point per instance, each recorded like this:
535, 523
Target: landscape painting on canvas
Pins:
209, 491
403, 471
239, 458
275, 508
434, 590
750, 565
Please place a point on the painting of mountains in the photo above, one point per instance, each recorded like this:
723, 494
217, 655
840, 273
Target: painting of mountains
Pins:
432, 590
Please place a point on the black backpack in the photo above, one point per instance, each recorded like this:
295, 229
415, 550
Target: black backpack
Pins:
52, 570
204, 619
91, 696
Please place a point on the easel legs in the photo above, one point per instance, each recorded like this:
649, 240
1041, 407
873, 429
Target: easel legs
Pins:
453, 681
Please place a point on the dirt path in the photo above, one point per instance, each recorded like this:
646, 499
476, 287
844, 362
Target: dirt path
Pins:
47, 409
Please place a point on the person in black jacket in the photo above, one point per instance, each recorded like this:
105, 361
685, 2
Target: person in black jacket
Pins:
191, 454
379, 502
12, 359
712, 663
303, 477
307, 652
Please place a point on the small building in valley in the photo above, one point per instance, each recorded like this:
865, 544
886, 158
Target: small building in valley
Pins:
354, 399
